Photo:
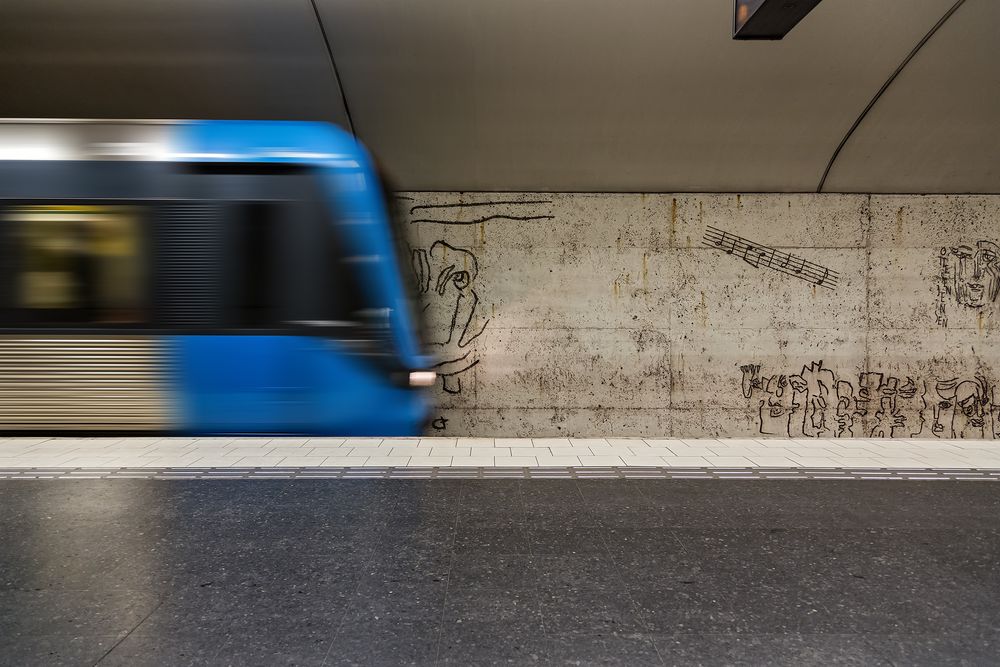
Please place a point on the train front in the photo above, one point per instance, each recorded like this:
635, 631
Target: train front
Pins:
201, 277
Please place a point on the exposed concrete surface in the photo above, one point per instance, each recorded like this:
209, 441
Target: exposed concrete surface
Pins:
711, 315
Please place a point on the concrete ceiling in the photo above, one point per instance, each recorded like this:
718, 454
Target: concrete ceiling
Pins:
573, 95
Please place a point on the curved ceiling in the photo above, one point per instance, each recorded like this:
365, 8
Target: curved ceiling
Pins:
937, 127
570, 95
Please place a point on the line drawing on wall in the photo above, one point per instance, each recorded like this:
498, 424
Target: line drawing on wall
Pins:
968, 276
508, 210
446, 278
758, 255
815, 403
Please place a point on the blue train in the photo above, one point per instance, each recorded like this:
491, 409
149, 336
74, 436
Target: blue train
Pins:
204, 277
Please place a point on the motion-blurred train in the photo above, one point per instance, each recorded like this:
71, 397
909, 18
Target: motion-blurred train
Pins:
202, 277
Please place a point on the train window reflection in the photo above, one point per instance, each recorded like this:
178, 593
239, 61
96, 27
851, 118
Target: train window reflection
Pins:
79, 264
257, 307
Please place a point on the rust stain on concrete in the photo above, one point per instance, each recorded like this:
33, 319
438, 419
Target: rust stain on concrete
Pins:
673, 219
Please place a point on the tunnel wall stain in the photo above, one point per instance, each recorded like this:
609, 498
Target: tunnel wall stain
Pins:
705, 315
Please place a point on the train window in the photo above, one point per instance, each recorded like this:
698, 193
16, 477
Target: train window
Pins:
256, 285
260, 252
78, 265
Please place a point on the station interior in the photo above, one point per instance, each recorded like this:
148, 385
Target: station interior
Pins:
536, 332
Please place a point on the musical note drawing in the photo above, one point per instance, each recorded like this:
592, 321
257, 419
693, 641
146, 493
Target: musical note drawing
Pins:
758, 255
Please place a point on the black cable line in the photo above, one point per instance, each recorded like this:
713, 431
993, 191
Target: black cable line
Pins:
888, 82
333, 65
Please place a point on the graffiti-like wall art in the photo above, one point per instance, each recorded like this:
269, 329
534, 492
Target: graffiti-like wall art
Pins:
968, 277
479, 212
816, 403
758, 255
447, 274
446, 278
506, 278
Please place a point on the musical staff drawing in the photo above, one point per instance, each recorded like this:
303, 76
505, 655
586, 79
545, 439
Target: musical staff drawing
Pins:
761, 256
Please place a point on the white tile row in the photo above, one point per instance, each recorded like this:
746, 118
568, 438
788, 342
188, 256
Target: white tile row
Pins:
495, 452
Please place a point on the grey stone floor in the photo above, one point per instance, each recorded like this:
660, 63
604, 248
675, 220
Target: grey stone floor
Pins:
470, 572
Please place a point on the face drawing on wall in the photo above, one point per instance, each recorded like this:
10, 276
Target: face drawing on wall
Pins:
995, 412
777, 405
941, 408
889, 420
818, 384
910, 400
776, 399
847, 406
970, 275
977, 274
867, 400
445, 279
967, 408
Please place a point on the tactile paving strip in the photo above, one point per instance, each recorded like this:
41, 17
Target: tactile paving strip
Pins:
953, 474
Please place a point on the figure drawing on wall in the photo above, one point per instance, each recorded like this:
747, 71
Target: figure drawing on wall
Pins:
815, 403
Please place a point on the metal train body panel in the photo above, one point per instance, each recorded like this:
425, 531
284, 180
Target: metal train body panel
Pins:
302, 378
87, 382
296, 384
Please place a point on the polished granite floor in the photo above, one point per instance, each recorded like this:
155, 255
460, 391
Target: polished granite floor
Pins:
470, 572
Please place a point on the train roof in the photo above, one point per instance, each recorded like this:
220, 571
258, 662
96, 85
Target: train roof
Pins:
302, 142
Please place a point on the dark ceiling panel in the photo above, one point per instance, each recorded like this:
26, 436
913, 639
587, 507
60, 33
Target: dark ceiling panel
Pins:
165, 59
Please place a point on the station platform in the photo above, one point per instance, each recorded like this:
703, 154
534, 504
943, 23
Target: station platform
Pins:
632, 572
417, 457
482, 551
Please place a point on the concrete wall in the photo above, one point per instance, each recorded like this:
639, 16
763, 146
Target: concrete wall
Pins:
697, 315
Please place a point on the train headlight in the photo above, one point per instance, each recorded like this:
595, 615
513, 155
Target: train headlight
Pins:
422, 378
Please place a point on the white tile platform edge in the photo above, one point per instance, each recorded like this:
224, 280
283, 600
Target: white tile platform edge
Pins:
264, 452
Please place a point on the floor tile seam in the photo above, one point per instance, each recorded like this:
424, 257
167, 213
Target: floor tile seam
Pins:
447, 585
635, 607
529, 452
951, 473
509, 469
159, 603
677, 542
546, 630
194, 457
373, 549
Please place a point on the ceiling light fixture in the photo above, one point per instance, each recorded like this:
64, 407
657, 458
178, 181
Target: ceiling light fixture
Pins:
768, 19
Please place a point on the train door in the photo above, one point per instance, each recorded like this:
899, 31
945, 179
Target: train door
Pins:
214, 278
222, 262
